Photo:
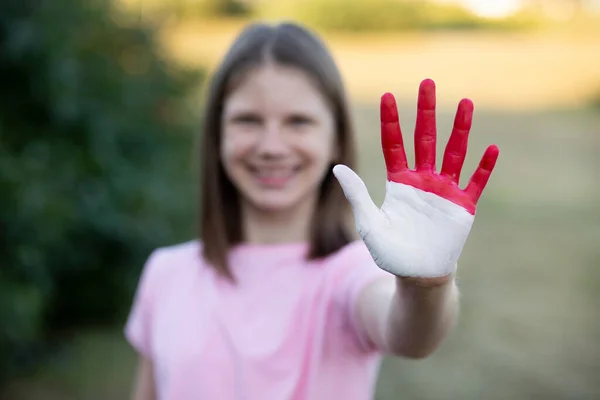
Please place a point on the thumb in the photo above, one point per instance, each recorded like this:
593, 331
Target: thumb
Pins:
365, 211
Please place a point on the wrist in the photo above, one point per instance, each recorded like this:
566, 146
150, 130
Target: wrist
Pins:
417, 293
425, 283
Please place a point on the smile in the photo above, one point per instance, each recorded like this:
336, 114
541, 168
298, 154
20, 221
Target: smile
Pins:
273, 177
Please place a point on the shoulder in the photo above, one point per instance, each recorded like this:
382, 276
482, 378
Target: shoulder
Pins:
172, 262
350, 262
352, 267
354, 253
180, 252
164, 270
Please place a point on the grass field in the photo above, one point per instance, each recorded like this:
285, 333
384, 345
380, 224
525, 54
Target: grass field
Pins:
530, 272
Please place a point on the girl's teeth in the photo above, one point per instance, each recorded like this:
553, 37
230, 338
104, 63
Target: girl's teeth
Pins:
273, 174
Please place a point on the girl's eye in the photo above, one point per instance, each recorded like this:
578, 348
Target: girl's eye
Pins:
246, 119
299, 120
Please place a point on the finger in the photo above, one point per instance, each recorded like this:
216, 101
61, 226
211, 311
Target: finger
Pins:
481, 175
425, 128
365, 211
456, 149
392, 143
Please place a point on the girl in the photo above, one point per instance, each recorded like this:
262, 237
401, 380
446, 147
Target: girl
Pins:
279, 301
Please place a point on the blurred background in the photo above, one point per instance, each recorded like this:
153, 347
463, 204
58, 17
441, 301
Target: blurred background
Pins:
99, 109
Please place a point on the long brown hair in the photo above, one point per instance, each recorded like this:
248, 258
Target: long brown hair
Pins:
291, 45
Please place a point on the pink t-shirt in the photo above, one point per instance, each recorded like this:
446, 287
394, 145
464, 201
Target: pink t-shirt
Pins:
287, 330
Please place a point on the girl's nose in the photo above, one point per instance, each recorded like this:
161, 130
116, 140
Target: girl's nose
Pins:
272, 142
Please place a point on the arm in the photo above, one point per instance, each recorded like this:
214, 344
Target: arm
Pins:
420, 230
143, 388
408, 317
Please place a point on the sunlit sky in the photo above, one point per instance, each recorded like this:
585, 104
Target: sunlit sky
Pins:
489, 8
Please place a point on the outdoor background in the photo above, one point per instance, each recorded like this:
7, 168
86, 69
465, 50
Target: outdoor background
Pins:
100, 103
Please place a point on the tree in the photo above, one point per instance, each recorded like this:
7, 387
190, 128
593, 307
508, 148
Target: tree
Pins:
95, 139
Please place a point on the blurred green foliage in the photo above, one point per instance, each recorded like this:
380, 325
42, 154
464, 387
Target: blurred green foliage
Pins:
391, 15
595, 100
96, 134
191, 9
210, 8
342, 15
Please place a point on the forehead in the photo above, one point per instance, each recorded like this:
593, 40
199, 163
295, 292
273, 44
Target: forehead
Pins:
276, 88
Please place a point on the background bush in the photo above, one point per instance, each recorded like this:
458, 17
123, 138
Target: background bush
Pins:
341, 15
389, 15
192, 9
595, 100
95, 143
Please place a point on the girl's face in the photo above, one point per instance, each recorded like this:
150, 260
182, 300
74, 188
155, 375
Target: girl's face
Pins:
278, 138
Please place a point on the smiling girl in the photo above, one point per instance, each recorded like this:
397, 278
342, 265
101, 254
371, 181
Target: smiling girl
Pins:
280, 299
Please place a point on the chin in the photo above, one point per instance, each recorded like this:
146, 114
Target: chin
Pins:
273, 203
277, 191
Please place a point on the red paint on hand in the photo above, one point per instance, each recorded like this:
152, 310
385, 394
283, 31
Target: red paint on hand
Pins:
424, 176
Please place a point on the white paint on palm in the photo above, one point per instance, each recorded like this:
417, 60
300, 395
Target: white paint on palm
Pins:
414, 233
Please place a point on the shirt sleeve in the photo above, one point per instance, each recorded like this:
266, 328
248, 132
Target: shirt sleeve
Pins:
138, 326
357, 271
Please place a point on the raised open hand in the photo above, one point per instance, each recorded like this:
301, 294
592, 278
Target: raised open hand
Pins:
423, 224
